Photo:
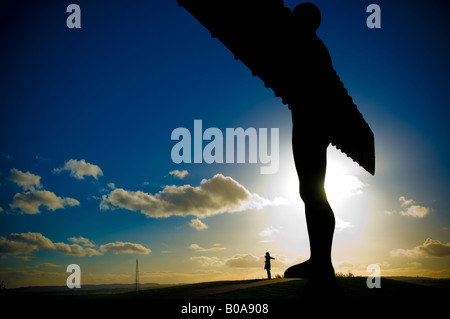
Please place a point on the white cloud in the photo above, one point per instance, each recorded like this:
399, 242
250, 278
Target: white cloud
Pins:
26, 180
119, 247
406, 202
26, 243
213, 196
269, 231
111, 185
81, 240
75, 250
344, 266
197, 224
411, 208
430, 248
416, 211
197, 248
80, 169
29, 202
208, 261
245, 261
180, 174
342, 224
263, 241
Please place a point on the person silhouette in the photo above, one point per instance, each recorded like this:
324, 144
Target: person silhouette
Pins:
267, 265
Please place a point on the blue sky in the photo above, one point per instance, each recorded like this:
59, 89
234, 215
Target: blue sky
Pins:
112, 92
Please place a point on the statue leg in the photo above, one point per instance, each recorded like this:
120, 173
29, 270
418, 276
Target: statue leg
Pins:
310, 156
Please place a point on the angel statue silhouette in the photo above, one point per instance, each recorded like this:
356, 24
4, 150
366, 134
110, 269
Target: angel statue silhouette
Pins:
281, 47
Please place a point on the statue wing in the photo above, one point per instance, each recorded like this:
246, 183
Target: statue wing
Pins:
257, 32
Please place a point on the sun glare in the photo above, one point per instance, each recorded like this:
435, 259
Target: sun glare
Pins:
286, 226
340, 185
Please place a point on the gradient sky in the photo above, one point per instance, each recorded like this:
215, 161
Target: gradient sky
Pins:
85, 142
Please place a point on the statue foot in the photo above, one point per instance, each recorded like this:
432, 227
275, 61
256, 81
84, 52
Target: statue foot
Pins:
309, 269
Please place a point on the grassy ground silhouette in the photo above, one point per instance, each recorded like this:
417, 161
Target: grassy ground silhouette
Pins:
284, 296
352, 289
